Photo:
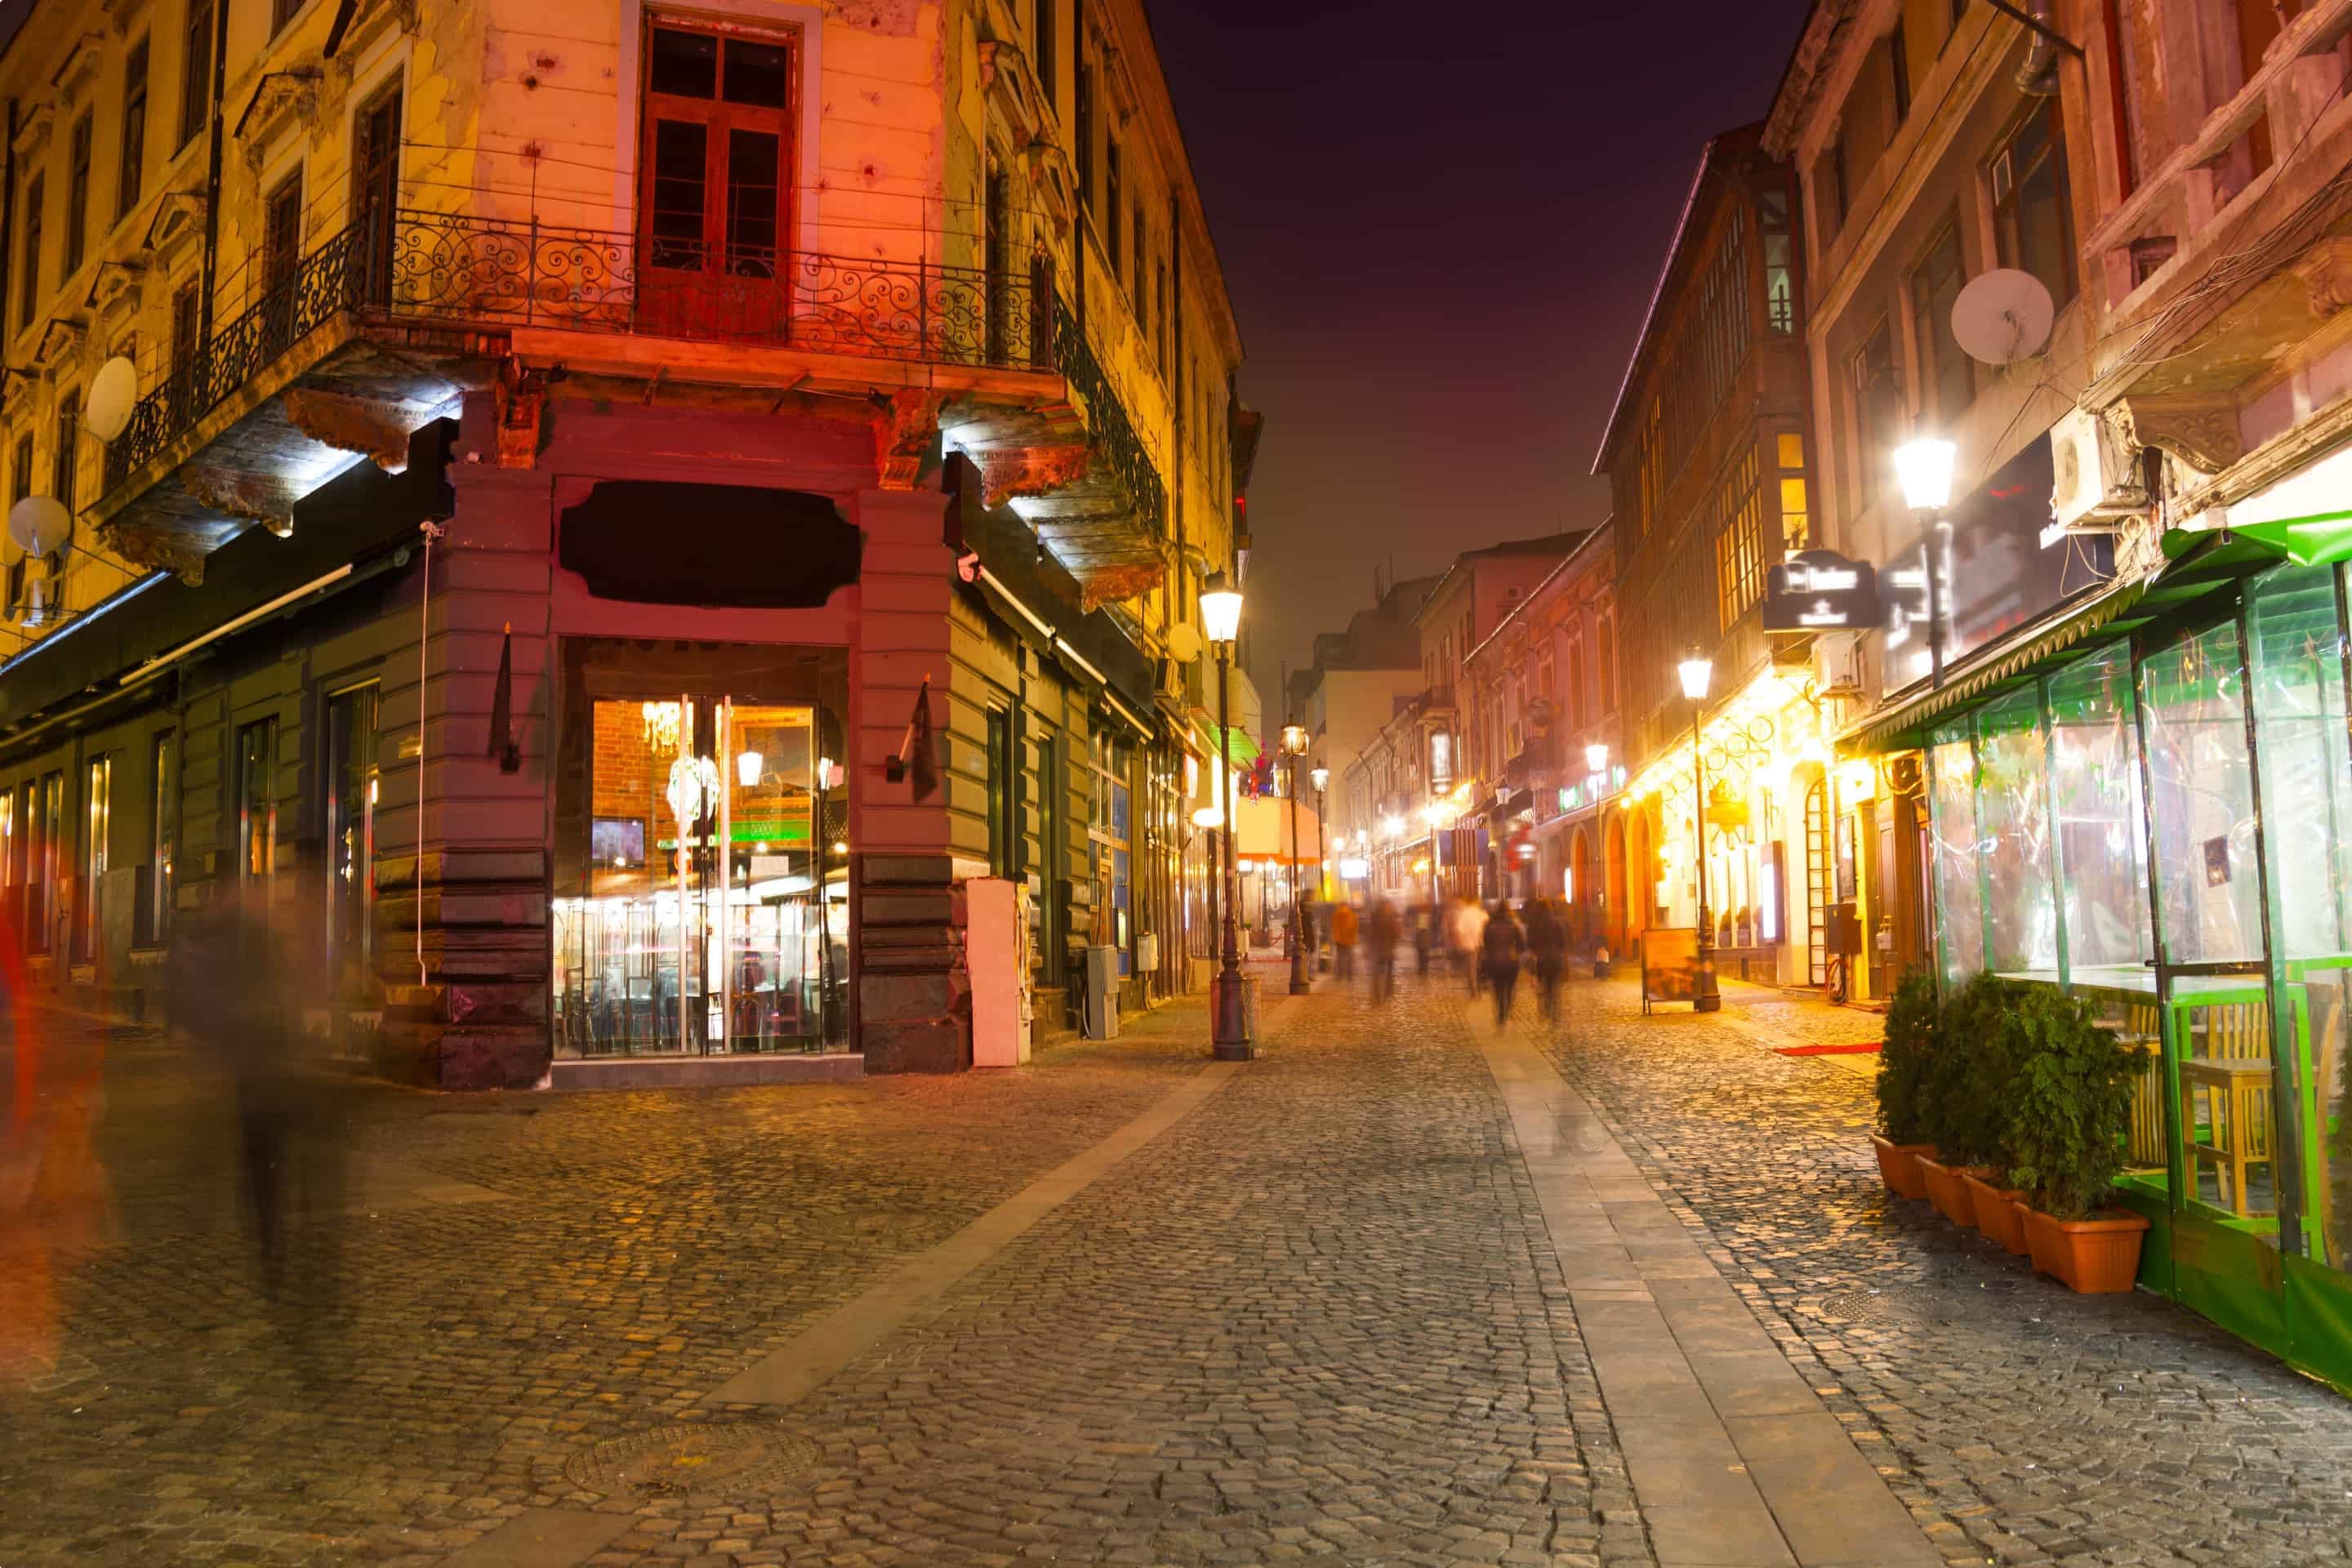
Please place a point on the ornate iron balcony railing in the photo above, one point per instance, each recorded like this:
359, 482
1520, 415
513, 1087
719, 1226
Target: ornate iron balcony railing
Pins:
1115, 445
479, 271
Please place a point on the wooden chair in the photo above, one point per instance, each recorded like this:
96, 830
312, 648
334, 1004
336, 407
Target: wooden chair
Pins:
2228, 1081
2144, 1144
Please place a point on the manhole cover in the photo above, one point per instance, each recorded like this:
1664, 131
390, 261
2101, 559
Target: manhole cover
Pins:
1898, 1305
692, 1460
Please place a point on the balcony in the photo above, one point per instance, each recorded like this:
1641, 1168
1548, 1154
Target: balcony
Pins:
370, 332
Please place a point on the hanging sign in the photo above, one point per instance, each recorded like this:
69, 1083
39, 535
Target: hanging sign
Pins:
1821, 591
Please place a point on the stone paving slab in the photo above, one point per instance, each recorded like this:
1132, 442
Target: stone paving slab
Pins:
2018, 1422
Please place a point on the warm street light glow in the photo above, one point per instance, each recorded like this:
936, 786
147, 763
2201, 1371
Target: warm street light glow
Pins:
1392, 827
1696, 670
747, 769
1433, 814
1293, 740
1321, 776
1925, 466
1208, 816
1596, 757
1220, 610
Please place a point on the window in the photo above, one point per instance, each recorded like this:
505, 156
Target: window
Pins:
1779, 269
1042, 53
129, 181
197, 82
1111, 209
375, 180
2034, 221
1898, 60
20, 474
11, 872
47, 802
162, 824
719, 152
1604, 647
1877, 408
1829, 192
187, 322
1739, 544
1947, 377
98, 806
1083, 134
78, 196
281, 233
28, 291
256, 800
282, 12
1142, 299
68, 452
1004, 778
1796, 511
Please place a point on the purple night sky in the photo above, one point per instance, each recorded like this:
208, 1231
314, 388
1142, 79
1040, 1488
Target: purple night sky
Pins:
1440, 240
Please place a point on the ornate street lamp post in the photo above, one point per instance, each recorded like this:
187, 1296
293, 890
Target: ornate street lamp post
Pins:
1322, 777
1293, 746
1221, 623
1696, 670
1925, 466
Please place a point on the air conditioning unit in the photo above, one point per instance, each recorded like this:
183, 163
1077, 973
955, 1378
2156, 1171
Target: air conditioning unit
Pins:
32, 590
1837, 664
2098, 478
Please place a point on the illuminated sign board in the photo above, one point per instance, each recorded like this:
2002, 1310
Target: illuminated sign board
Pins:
1354, 867
1821, 591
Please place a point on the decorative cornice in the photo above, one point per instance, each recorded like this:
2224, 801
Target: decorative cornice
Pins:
115, 290
156, 550
33, 130
2201, 432
61, 340
283, 98
121, 15
907, 435
378, 431
1009, 471
179, 221
1802, 84
2326, 272
79, 69
257, 497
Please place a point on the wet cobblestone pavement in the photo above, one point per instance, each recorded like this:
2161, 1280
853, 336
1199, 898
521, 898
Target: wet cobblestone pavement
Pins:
1317, 1318
2040, 1426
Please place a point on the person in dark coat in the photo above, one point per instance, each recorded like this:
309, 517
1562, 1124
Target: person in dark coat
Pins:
1385, 929
1502, 945
1547, 950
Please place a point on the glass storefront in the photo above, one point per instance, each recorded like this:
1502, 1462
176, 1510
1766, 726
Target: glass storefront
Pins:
702, 854
2214, 748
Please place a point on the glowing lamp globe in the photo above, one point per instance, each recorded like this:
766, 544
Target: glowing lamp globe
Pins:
1321, 776
1220, 610
1596, 757
1925, 466
1697, 671
1293, 740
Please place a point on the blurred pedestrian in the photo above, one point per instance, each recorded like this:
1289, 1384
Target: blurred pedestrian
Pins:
1503, 941
1386, 929
1343, 939
1465, 930
1547, 951
1423, 938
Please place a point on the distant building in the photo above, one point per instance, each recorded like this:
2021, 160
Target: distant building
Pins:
1353, 687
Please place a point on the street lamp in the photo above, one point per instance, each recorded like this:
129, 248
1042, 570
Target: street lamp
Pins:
1697, 671
1925, 467
1433, 812
1596, 757
1221, 624
1293, 746
1322, 777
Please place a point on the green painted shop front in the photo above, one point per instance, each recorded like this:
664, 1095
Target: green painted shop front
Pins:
2147, 801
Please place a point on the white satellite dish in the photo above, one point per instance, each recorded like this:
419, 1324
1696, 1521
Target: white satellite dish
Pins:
113, 394
1183, 642
2002, 316
39, 525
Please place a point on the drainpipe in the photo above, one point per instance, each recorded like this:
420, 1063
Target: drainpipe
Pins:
2038, 76
213, 171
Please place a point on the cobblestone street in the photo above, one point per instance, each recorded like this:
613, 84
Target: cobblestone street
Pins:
1348, 1304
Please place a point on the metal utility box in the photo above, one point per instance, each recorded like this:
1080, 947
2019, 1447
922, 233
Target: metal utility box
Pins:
1098, 1005
1842, 933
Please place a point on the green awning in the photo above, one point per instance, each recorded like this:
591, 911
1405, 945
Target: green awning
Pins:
2197, 562
1239, 748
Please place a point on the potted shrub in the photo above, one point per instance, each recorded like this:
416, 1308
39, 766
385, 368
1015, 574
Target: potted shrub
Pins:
1966, 1093
2069, 1108
1903, 1067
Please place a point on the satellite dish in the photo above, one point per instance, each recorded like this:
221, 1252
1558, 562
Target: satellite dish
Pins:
2002, 316
39, 525
113, 394
1183, 642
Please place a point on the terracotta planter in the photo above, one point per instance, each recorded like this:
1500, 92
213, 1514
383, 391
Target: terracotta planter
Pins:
2096, 1256
1998, 1214
1898, 1166
1948, 1191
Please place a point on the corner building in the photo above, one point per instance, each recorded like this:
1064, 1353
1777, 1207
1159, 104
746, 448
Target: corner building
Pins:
566, 446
